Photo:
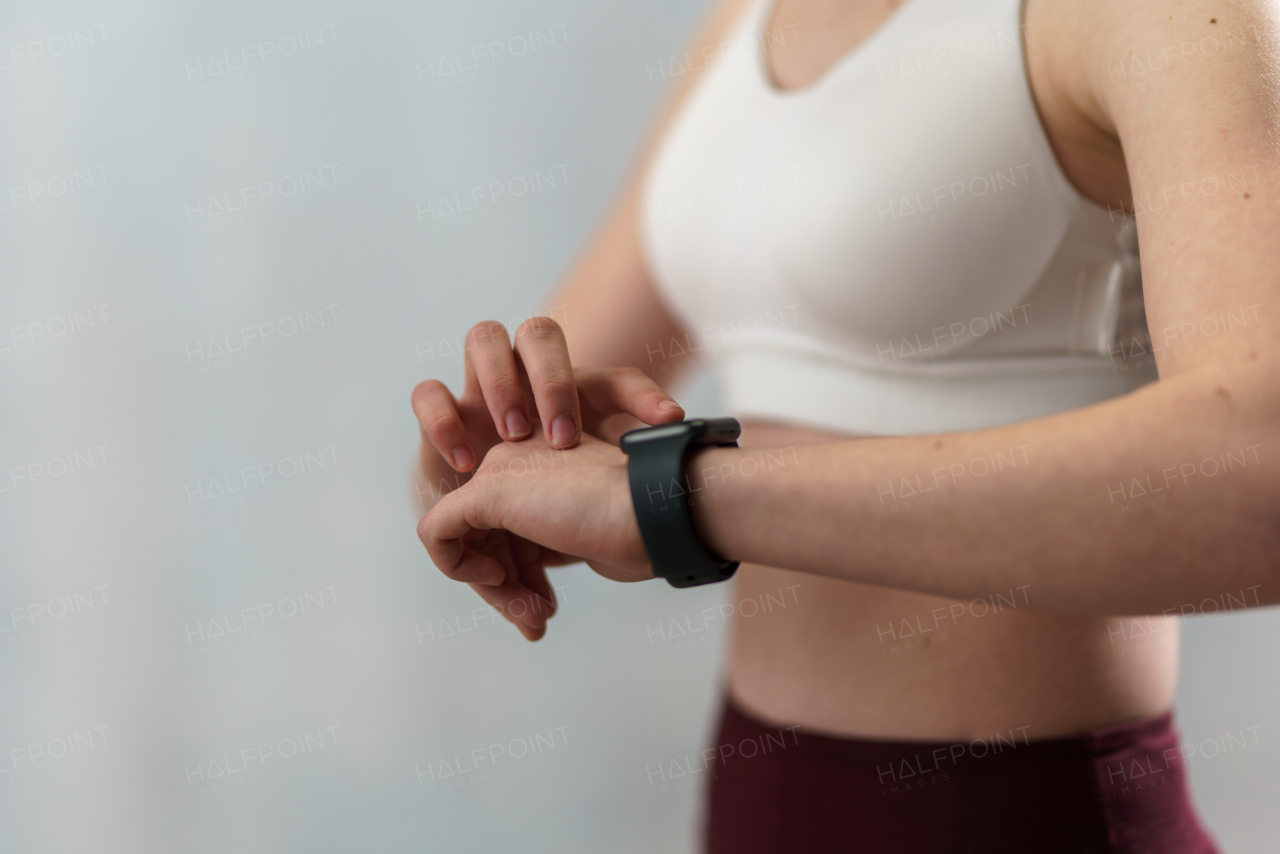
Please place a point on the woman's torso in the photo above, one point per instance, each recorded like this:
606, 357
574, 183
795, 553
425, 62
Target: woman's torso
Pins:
859, 286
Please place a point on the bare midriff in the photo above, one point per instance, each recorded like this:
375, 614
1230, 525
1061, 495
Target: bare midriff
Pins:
851, 659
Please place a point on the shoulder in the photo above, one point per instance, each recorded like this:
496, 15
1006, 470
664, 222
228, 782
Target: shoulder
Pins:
1115, 60
1166, 86
1189, 93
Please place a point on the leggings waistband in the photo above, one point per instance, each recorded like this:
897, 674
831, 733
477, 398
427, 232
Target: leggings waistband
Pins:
1120, 789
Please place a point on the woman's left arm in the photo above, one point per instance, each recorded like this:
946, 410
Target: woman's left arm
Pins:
1149, 502
1163, 497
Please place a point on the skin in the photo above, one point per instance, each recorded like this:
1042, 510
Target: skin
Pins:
1042, 533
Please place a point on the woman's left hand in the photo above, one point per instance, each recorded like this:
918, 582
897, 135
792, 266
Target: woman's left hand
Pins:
557, 507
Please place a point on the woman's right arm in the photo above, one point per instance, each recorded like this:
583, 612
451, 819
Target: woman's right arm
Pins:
603, 362
608, 304
600, 370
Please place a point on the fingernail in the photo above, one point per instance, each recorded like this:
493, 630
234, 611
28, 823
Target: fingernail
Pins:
563, 430
517, 425
668, 404
462, 457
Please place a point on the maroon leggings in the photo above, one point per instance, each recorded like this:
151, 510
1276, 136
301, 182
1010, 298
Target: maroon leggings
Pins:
781, 790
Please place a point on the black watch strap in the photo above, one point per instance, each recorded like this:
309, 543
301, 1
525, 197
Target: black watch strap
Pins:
662, 496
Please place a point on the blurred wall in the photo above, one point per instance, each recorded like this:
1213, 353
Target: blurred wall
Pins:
231, 242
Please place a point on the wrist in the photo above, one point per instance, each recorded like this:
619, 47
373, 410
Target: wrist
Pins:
710, 473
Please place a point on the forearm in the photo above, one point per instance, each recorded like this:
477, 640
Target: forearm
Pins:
1146, 502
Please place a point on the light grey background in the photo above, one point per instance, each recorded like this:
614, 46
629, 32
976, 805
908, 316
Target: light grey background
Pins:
123, 712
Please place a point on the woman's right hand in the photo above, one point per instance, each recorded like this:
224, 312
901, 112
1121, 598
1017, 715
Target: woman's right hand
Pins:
508, 389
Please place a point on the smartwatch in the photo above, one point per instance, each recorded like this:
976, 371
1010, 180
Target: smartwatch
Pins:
662, 496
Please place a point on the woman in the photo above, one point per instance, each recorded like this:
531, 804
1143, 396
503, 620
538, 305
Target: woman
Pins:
839, 191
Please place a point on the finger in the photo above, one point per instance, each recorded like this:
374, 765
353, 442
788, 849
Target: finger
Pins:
550, 558
532, 604
494, 601
525, 606
492, 374
529, 558
435, 478
447, 533
517, 603
543, 351
438, 417
524, 551
609, 391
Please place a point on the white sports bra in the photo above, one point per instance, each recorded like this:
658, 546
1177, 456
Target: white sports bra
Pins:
893, 249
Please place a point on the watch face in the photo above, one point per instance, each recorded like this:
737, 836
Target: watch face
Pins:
699, 431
